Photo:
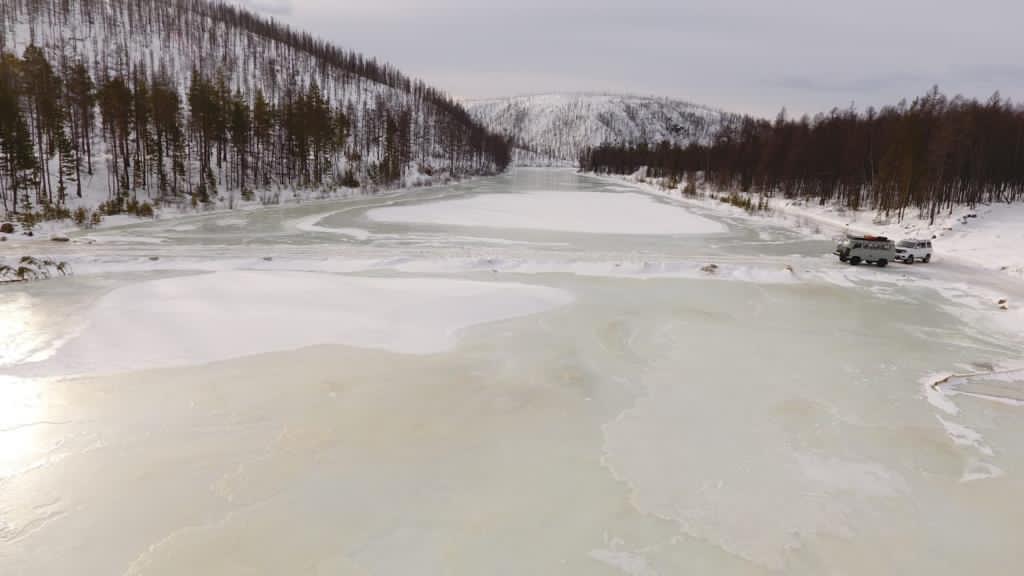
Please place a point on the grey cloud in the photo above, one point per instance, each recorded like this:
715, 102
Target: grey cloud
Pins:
861, 85
749, 56
273, 7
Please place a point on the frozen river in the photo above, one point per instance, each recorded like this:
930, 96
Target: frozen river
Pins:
529, 374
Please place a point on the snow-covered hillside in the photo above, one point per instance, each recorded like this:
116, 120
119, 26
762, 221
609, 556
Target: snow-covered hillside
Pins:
560, 126
172, 102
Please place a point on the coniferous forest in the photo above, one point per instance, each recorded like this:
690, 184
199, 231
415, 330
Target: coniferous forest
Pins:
928, 156
134, 102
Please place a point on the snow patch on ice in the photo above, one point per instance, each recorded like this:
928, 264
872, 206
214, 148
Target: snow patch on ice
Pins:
963, 436
627, 562
210, 317
637, 270
312, 224
121, 239
936, 396
980, 471
863, 478
586, 212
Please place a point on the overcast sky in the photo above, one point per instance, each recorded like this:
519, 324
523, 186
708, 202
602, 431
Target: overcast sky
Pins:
751, 56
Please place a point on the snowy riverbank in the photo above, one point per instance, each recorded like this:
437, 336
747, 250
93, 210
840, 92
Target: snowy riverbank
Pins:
989, 237
224, 204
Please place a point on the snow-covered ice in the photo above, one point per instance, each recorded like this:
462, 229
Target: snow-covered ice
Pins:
504, 397
221, 315
590, 212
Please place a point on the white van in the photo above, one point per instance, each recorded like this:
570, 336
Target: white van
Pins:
910, 251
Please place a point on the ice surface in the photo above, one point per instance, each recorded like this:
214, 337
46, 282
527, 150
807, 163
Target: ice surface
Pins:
772, 416
591, 212
208, 317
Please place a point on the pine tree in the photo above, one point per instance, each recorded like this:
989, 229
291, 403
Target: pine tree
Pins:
42, 88
19, 163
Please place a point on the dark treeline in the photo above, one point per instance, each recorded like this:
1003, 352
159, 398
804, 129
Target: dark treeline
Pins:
168, 98
930, 155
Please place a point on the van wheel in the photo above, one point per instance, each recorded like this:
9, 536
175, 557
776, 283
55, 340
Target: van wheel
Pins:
882, 263
910, 260
855, 261
927, 259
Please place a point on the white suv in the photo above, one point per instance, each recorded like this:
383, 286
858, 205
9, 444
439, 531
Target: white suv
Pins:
910, 251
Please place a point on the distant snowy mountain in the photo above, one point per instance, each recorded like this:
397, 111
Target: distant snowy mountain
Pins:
554, 128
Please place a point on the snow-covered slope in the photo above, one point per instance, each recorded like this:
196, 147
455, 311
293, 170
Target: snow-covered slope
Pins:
558, 127
268, 108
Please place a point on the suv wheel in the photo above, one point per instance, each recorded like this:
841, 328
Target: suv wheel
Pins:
909, 259
927, 259
855, 261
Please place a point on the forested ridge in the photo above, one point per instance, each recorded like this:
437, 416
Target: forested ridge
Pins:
139, 101
929, 155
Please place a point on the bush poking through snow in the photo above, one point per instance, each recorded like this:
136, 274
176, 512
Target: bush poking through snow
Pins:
691, 184
28, 222
746, 202
349, 180
80, 217
270, 198
83, 218
7, 228
29, 268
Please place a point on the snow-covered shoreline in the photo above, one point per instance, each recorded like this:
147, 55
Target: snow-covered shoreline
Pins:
223, 206
988, 237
